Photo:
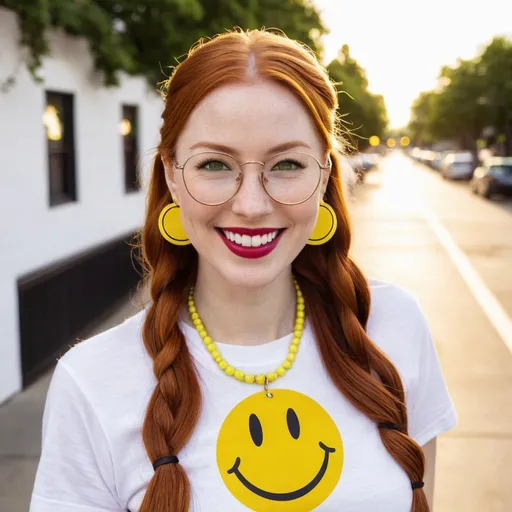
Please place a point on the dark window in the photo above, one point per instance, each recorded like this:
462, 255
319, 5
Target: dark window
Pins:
58, 121
129, 129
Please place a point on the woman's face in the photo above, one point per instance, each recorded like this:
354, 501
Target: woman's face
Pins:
249, 121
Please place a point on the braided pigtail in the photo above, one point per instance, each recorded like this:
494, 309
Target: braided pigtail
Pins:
175, 404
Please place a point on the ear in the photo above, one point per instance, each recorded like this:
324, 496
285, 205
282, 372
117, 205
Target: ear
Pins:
170, 177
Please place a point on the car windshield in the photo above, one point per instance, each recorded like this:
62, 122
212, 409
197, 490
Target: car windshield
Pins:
503, 170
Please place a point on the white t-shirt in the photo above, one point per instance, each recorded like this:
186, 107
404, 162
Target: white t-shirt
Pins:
307, 448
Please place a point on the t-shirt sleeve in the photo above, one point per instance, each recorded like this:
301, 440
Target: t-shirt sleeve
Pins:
75, 472
430, 407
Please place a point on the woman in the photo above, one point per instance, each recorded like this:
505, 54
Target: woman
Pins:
267, 373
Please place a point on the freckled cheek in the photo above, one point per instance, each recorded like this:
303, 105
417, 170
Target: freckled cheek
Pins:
304, 218
197, 218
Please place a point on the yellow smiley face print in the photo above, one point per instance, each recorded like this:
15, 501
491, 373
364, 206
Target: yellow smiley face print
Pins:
283, 453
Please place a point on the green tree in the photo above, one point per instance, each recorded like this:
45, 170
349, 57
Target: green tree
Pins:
471, 96
362, 112
145, 36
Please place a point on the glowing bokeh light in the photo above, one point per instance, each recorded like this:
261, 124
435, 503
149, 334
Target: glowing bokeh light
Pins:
391, 143
405, 141
125, 127
374, 140
52, 122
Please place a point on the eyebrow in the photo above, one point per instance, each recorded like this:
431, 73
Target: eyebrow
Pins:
228, 149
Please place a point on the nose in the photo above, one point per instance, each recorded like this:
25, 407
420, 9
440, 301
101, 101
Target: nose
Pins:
251, 200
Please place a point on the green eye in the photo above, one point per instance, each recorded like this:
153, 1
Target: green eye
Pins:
286, 165
215, 165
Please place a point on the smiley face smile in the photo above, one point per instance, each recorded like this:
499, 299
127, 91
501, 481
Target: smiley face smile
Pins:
270, 456
285, 496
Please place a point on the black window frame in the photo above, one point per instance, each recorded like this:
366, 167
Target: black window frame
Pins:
130, 148
62, 160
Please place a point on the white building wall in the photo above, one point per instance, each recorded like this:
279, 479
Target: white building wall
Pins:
33, 234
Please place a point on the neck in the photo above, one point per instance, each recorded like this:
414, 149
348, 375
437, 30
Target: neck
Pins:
242, 315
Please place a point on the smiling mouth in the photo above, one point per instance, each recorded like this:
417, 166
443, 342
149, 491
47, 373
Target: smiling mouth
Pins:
285, 496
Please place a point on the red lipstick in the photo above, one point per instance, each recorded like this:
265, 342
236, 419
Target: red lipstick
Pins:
251, 252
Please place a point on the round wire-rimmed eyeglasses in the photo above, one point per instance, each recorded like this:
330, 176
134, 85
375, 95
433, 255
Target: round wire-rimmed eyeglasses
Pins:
213, 178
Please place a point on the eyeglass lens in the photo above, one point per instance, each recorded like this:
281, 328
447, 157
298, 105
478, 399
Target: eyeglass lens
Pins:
289, 178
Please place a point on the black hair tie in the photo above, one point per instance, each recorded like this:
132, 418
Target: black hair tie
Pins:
172, 459
390, 426
417, 485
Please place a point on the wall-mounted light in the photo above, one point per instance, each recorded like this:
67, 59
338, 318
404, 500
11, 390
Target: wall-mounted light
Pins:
125, 127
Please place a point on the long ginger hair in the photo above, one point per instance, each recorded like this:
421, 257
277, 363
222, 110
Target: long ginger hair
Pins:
336, 292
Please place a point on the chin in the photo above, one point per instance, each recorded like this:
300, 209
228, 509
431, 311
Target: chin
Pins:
253, 278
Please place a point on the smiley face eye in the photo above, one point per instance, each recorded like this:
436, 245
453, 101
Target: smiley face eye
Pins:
255, 429
293, 423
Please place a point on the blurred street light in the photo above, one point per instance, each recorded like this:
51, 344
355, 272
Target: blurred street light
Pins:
374, 140
405, 141
391, 143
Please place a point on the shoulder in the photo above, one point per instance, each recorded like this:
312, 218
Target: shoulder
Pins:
115, 356
393, 307
397, 323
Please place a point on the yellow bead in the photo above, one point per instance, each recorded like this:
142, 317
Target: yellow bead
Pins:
194, 316
218, 358
223, 365
207, 340
192, 309
211, 347
249, 378
297, 333
260, 379
299, 327
300, 314
299, 320
280, 371
229, 370
272, 376
296, 341
299, 294
300, 300
287, 364
301, 306
290, 357
190, 303
294, 349
215, 354
198, 322
239, 375
203, 333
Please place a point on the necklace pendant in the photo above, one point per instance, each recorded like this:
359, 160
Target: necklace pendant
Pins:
265, 387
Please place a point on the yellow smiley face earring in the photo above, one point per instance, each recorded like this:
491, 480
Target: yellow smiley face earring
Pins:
325, 226
171, 227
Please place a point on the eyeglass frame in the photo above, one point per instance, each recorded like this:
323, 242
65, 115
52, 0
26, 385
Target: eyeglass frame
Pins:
321, 168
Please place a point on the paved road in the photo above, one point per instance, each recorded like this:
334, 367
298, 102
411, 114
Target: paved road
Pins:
454, 251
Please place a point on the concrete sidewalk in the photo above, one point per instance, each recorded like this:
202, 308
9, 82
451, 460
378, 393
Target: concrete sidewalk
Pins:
20, 427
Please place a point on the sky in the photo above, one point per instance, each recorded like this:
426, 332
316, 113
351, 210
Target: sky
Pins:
403, 44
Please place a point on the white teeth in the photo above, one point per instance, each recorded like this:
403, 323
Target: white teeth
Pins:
250, 241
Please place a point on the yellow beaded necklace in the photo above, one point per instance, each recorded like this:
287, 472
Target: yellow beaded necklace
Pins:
249, 378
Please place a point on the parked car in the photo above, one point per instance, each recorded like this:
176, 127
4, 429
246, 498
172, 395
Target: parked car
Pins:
363, 163
493, 177
457, 166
